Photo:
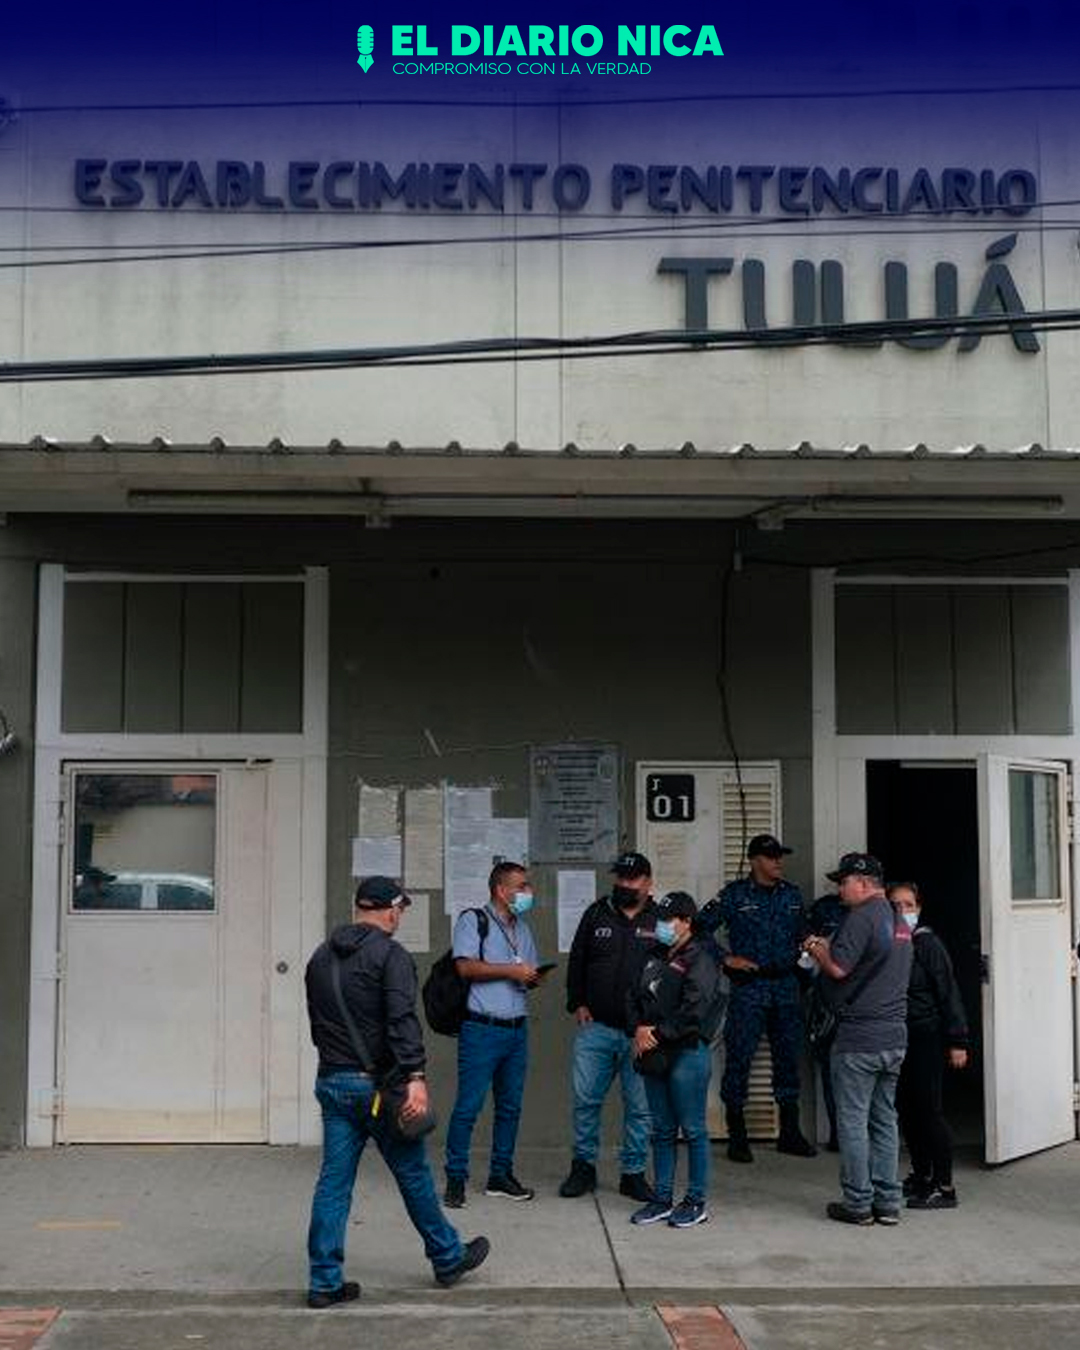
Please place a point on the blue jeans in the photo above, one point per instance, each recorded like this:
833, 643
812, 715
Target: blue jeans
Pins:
494, 1057
679, 1101
864, 1084
346, 1100
601, 1052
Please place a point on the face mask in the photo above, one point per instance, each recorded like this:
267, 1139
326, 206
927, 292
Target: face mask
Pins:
910, 919
624, 896
665, 932
521, 903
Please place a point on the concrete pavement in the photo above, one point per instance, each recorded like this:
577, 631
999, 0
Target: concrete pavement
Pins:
204, 1247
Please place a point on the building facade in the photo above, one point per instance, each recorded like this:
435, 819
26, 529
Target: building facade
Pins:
371, 596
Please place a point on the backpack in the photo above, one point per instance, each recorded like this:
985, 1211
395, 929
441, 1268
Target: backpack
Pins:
445, 992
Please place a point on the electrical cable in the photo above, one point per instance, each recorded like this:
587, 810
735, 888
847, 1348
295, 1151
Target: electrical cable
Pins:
492, 350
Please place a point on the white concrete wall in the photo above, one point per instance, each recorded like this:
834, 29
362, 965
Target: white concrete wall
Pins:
890, 398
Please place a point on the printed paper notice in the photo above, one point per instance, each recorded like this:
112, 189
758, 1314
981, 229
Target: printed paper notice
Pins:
424, 837
577, 891
467, 862
379, 812
414, 931
510, 840
377, 857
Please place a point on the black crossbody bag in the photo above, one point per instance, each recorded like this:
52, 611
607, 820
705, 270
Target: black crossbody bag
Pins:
390, 1094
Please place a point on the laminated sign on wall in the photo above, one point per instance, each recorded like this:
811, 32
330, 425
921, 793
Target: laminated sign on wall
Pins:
574, 802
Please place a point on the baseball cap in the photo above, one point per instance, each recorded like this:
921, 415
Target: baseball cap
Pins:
676, 905
379, 893
858, 865
632, 865
765, 846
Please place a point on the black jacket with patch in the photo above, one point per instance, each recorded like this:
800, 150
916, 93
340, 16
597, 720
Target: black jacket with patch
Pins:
606, 958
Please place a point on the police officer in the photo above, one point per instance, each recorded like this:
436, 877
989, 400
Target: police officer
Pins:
765, 922
613, 940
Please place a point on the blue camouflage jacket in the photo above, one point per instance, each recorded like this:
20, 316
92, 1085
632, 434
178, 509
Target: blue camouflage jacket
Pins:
765, 923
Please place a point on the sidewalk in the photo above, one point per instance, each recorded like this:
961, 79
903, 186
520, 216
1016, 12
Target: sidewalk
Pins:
90, 1225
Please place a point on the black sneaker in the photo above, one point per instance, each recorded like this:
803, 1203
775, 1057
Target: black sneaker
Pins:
938, 1198
475, 1254
454, 1195
635, 1187
326, 1298
888, 1218
581, 1178
508, 1188
916, 1185
738, 1150
836, 1209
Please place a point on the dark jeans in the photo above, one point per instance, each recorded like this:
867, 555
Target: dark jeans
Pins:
494, 1057
346, 1100
865, 1086
769, 1007
822, 1053
918, 1101
679, 1101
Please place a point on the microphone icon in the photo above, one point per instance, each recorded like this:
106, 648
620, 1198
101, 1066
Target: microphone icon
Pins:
365, 45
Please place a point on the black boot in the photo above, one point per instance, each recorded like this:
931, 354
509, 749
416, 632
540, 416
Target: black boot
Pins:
792, 1140
582, 1178
738, 1146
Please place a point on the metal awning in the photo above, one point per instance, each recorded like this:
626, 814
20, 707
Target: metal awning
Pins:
381, 482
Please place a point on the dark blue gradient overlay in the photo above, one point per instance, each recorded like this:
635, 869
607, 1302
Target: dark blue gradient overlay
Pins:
777, 47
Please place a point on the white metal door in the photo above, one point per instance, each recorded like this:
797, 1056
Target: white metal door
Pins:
163, 960
1024, 876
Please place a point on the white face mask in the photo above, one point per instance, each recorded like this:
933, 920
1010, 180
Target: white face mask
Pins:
910, 919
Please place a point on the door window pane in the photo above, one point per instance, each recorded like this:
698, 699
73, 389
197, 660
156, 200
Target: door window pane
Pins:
144, 841
1034, 835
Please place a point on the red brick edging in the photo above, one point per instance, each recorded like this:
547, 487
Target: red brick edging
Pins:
699, 1328
21, 1327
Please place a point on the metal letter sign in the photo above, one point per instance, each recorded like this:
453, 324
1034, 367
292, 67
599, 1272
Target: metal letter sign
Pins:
669, 797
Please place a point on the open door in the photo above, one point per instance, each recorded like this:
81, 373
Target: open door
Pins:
1025, 916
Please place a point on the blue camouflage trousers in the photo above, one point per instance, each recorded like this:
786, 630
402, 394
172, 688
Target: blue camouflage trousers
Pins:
772, 1007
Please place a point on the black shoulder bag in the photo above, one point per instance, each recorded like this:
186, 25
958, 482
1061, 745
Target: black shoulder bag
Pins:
390, 1095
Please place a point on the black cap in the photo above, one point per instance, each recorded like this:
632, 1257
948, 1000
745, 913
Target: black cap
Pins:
632, 865
857, 865
379, 893
98, 874
676, 905
765, 846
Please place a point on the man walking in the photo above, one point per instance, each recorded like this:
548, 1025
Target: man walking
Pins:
870, 961
610, 947
493, 1045
765, 922
361, 975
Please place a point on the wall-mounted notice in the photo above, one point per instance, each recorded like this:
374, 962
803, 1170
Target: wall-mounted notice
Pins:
574, 811
424, 838
414, 931
577, 891
510, 839
379, 811
467, 863
377, 857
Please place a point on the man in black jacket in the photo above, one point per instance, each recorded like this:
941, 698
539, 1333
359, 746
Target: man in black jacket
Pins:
378, 988
612, 942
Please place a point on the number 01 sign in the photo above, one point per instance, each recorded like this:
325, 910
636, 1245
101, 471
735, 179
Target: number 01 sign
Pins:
670, 797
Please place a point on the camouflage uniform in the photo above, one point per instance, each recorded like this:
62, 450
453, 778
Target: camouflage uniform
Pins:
766, 924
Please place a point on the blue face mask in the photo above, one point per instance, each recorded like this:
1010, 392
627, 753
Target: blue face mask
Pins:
521, 903
665, 932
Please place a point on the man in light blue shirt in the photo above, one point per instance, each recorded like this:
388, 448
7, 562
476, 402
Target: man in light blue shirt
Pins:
493, 1045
